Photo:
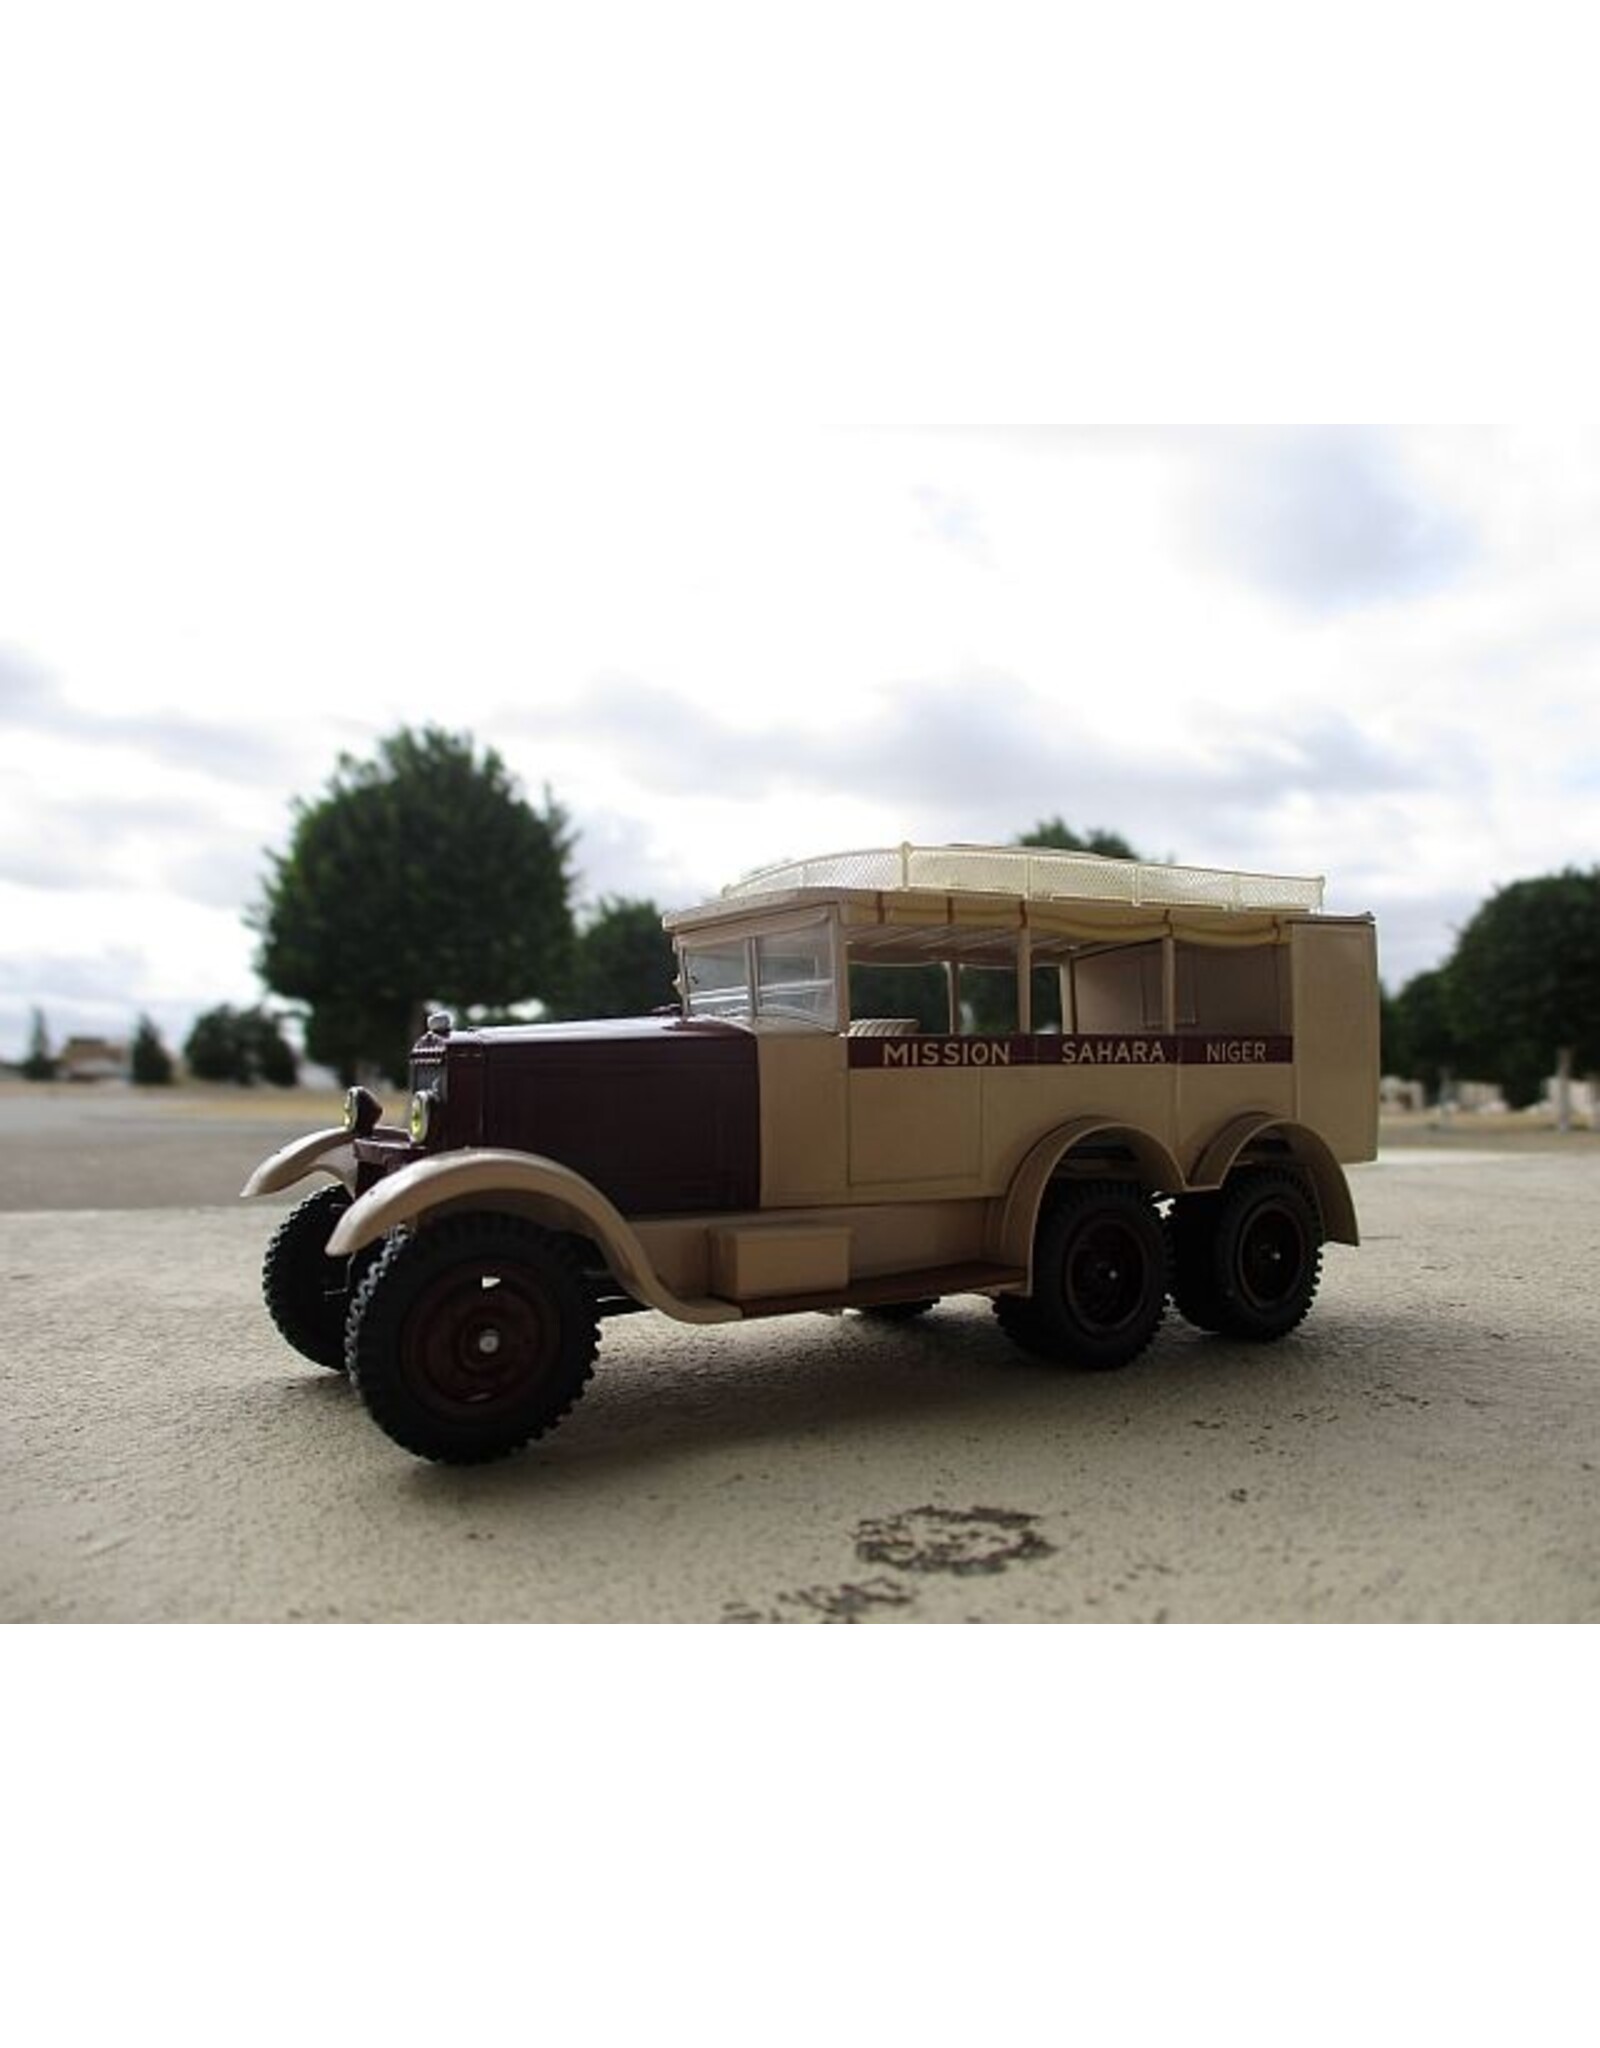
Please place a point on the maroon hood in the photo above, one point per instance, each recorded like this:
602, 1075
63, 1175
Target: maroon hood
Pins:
662, 1115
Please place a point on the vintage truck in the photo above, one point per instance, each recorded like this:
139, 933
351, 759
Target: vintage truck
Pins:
1077, 1086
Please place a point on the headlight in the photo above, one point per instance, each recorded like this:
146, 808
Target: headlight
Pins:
363, 1112
423, 1105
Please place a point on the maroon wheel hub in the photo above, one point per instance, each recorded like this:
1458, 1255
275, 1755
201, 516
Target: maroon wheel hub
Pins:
478, 1339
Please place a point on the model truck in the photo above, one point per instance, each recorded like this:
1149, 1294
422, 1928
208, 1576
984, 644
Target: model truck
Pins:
1080, 1087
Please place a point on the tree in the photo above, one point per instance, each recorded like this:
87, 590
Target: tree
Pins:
1393, 1053
1420, 1041
244, 1046
41, 1063
421, 876
1055, 832
211, 1051
272, 1056
623, 962
1523, 987
151, 1062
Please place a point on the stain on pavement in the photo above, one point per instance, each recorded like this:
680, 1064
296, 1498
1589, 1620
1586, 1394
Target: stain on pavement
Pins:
960, 1540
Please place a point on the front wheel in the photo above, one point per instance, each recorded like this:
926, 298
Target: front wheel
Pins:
472, 1337
307, 1293
1099, 1279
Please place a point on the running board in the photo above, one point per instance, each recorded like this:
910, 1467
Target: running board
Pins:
883, 1289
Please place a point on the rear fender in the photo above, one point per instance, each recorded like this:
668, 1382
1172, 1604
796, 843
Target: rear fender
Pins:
1017, 1216
1309, 1152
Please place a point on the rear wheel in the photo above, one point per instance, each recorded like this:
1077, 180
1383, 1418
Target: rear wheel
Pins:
1099, 1279
1191, 1239
472, 1337
1266, 1255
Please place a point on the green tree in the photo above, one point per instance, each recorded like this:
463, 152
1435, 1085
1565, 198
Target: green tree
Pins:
420, 876
151, 1063
273, 1058
622, 964
41, 1063
1523, 985
1394, 1054
211, 1051
1389, 1034
1055, 832
1420, 1041
244, 1046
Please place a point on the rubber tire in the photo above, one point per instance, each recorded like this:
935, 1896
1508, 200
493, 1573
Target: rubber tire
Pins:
1016, 1315
1191, 1242
1099, 1235
307, 1293
898, 1311
1266, 1255
416, 1326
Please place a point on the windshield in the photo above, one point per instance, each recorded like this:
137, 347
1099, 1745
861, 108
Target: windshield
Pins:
716, 981
776, 978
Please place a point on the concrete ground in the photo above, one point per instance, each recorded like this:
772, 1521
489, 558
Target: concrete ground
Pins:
1426, 1448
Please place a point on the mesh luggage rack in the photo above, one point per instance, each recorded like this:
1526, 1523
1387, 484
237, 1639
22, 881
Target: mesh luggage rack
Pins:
1036, 874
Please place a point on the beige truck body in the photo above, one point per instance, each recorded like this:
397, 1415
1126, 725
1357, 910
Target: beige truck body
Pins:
1080, 1087
1184, 1039
1190, 1038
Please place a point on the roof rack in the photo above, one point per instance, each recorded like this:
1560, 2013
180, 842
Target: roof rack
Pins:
1037, 874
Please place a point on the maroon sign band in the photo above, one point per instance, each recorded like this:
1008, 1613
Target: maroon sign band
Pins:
1071, 1049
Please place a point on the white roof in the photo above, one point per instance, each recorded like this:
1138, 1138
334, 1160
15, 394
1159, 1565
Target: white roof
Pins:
1037, 875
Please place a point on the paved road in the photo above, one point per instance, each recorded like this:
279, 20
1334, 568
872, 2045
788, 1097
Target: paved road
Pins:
1425, 1449
65, 1147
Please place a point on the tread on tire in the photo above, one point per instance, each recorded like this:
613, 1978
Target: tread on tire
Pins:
472, 1337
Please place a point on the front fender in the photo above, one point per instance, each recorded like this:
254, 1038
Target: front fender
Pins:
524, 1184
321, 1152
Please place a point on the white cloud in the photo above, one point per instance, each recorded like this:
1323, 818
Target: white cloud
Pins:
718, 655
352, 378
93, 959
1325, 518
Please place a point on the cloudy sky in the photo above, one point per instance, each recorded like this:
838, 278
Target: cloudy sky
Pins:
288, 459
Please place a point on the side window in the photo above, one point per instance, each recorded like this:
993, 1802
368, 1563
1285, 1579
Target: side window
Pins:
794, 977
921, 993
989, 999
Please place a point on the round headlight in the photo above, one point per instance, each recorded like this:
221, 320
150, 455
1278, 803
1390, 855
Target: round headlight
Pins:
363, 1112
423, 1104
